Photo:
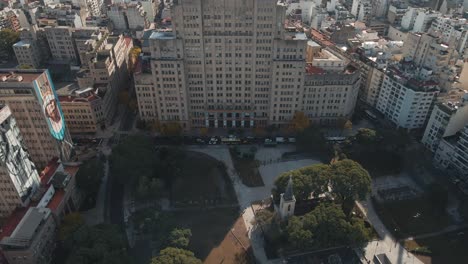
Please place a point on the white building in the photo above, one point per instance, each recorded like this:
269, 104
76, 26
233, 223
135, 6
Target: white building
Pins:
452, 154
130, 16
448, 117
18, 174
418, 19
95, 7
362, 10
406, 95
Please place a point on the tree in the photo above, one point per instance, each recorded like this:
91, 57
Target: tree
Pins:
71, 223
133, 58
306, 181
172, 255
180, 238
203, 131
299, 122
133, 158
171, 129
25, 67
350, 181
311, 139
325, 226
259, 131
348, 127
98, 244
8, 37
366, 136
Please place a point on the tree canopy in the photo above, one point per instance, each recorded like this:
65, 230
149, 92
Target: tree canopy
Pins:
97, 244
349, 181
171, 255
132, 158
299, 122
311, 139
8, 37
180, 237
71, 223
325, 226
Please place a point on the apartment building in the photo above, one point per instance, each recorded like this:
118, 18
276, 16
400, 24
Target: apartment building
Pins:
82, 108
418, 19
44, 140
407, 95
362, 10
33, 239
128, 16
149, 6
19, 179
106, 72
32, 50
226, 64
331, 88
452, 155
95, 7
449, 116
61, 44
9, 20
396, 11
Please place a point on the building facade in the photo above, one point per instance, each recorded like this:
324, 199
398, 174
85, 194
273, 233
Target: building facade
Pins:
19, 177
18, 90
225, 64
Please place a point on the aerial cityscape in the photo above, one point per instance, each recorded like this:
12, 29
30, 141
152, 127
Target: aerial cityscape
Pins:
233, 131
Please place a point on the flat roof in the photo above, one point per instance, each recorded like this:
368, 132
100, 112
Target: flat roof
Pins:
162, 35
30, 222
27, 75
21, 43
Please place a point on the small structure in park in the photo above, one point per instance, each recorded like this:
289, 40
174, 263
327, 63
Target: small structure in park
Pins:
287, 201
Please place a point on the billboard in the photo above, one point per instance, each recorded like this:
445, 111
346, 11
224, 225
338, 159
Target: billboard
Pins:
47, 98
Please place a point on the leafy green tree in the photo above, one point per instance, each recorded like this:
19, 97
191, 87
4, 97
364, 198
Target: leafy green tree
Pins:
311, 139
307, 180
8, 37
350, 181
172, 255
366, 136
180, 238
98, 244
133, 158
325, 226
71, 223
299, 122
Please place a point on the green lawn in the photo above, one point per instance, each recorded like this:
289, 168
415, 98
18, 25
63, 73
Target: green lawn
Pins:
202, 180
447, 248
411, 217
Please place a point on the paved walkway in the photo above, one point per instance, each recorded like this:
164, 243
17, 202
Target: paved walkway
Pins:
387, 244
96, 215
447, 229
247, 195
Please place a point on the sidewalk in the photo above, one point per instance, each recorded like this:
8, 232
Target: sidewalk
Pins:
387, 244
96, 215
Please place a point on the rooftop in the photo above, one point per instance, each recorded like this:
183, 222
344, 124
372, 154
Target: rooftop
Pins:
15, 75
162, 35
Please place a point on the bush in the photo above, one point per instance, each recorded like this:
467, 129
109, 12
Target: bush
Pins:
422, 251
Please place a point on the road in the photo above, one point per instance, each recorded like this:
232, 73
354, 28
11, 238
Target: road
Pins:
387, 244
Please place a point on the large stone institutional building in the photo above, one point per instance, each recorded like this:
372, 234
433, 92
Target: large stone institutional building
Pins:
230, 64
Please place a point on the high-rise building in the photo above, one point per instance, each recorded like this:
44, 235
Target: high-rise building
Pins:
448, 117
30, 94
18, 174
226, 64
407, 95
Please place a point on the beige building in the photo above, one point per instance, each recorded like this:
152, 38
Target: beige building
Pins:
33, 239
17, 90
19, 179
225, 64
331, 88
82, 108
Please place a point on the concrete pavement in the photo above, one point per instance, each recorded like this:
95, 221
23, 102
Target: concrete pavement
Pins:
387, 244
247, 195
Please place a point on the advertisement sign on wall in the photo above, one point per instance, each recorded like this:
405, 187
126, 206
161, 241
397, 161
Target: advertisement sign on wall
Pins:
50, 105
